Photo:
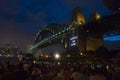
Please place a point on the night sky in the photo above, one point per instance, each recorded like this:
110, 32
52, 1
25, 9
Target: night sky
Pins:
20, 20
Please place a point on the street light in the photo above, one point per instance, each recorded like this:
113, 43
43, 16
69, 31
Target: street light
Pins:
46, 56
57, 56
81, 53
68, 55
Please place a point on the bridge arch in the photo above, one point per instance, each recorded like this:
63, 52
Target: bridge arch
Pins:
49, 30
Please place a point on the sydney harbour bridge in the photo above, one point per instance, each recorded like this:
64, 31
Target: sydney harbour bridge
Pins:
83, 35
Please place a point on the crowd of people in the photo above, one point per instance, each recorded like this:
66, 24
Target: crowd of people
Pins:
32, 71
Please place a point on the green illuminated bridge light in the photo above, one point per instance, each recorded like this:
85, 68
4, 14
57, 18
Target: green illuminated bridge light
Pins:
54, 36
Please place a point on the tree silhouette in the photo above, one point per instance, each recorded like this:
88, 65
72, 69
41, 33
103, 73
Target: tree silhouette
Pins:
113, 5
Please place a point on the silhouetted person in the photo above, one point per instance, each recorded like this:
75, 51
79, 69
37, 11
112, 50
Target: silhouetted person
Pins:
116, 75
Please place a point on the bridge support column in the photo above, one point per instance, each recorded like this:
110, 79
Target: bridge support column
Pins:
93, 42
81, 40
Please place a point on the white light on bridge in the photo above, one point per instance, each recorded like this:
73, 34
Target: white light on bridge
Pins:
63, 31
59, 33
73, 44
75, 37
56, 34
73, 40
